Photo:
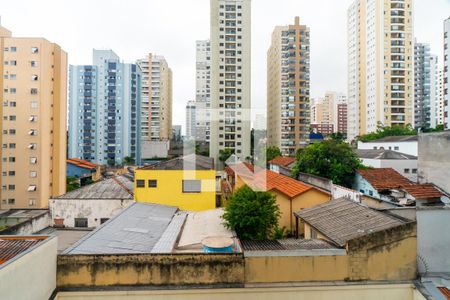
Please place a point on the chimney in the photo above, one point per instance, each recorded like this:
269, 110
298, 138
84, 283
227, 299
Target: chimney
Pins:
297, 20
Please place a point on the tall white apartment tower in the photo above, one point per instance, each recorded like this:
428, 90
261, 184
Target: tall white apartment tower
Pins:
446, 74
203, 89
230, 77
380, 65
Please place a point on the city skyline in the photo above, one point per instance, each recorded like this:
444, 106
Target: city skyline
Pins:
327, 71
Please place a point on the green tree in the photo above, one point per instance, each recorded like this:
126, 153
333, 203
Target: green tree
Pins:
332, 159
72, 183
383, 131
272, 152
127, 160
253, 215
225, 154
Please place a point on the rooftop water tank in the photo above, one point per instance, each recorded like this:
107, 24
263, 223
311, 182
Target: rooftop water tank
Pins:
217, 244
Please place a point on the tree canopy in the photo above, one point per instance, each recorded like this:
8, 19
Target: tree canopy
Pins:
253, 215
225, 154
332, 159
272, 152
383, 131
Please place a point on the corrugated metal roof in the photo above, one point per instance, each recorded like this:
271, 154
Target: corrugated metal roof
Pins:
137, 229
10, 247
188, 162
342, 220
119, 187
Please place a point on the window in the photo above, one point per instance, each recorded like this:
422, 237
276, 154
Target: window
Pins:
406, 171
33, 174
12, 118
13, 62
140, 183
192, 186
34, 63
34, 91
33, 160
11, 201
12, 131
34, 50
34, 78
396, 148
11, 187
103, 220
31, 202
81, 222
34, 104
12, 173
13, 49
12, 145
13, 76
12, 159
414, 171
152, 183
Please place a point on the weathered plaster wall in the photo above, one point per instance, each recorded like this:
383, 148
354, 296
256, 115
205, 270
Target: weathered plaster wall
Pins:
150, 269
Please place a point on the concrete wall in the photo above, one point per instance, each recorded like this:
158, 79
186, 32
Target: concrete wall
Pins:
335, 292
150, 270
433, 238
152, 149
434, 159
338, 191
31, 275
92, 209
29, 227
320, 182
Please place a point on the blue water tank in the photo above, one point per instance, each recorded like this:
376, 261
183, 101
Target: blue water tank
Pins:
217, 244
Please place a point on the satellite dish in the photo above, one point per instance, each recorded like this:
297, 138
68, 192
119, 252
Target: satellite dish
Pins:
445, 200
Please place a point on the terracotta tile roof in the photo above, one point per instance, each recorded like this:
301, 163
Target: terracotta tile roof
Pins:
10, 247
423, 191
82, 163
384, 178
445, 291
342, 220
241, 168
268, 180
283, 161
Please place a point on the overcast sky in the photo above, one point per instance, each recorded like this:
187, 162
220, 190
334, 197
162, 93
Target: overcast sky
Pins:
133, 28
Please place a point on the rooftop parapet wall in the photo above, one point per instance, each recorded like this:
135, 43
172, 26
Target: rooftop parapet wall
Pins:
88, 271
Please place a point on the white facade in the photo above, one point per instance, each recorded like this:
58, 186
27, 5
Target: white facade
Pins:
230, 77
409, 147
447, 73
439, 110
434, 91
96, 211
203, 90
191, 120
31, 274
353, 62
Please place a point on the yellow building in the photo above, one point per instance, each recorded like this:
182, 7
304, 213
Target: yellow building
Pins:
291, 195
34, 111
187, 182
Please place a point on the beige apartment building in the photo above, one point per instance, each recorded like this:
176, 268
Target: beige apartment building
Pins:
34, 113
156, 109
230, 77
329, 114
380, 65
288, 107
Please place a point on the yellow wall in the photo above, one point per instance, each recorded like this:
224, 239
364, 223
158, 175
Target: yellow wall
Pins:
335, 292
169, 189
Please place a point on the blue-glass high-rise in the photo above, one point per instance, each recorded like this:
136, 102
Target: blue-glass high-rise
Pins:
104, 110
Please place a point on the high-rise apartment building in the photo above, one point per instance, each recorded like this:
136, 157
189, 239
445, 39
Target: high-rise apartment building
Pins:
446, 73
203, 90
330, 110
104, 110
230, 77
191, 114
34, 120
435, 119
288, 71
380, 65
422, 85
156, 110
439, 97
